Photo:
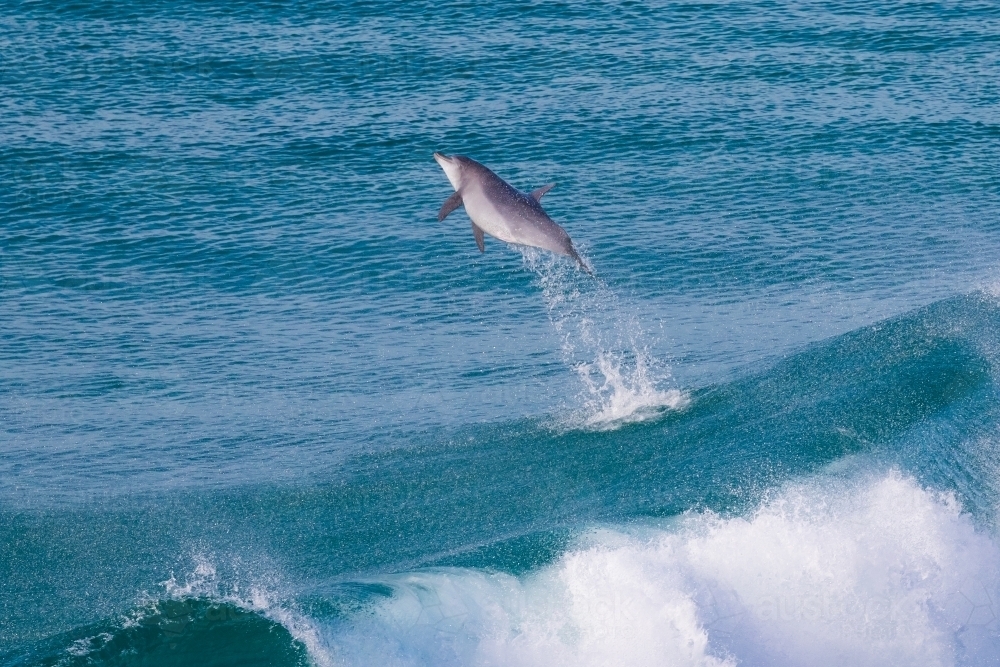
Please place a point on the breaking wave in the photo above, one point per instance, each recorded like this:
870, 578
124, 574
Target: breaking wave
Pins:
871, 571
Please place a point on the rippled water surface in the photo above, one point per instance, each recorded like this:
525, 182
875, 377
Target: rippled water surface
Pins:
256, 401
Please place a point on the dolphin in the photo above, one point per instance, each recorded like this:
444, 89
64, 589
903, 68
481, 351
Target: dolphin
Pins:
503, 212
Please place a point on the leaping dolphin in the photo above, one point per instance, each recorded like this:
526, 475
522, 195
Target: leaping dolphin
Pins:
500, 210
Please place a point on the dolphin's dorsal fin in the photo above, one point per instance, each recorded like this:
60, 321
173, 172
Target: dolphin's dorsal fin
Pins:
450, 204
537, 194
478, 233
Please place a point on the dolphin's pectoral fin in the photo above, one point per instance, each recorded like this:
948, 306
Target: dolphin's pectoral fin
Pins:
478, 233
537, 194
450, 204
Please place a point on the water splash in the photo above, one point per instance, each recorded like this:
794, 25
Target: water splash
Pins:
606, 346
205, 582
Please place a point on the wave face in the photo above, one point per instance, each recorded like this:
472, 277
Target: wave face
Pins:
173, 632
836, 507
257, 406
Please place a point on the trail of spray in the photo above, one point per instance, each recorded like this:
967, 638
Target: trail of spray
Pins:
606, 346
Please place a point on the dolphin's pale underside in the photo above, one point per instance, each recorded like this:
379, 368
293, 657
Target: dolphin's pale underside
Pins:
500, 210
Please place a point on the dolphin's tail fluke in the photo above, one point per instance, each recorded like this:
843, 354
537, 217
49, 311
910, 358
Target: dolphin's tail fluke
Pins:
579, 260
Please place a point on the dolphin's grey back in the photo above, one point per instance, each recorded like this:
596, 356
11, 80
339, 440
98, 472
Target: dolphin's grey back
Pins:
531, 224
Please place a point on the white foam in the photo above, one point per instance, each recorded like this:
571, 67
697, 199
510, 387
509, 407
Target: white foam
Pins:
619, 394
605, 345
87, 645
877, 571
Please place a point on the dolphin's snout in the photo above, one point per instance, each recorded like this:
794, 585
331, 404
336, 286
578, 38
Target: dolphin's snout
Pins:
452, 167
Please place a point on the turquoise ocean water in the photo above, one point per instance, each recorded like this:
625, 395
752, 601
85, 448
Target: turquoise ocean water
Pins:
258, 407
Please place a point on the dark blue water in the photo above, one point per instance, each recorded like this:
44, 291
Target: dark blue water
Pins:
257, 406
